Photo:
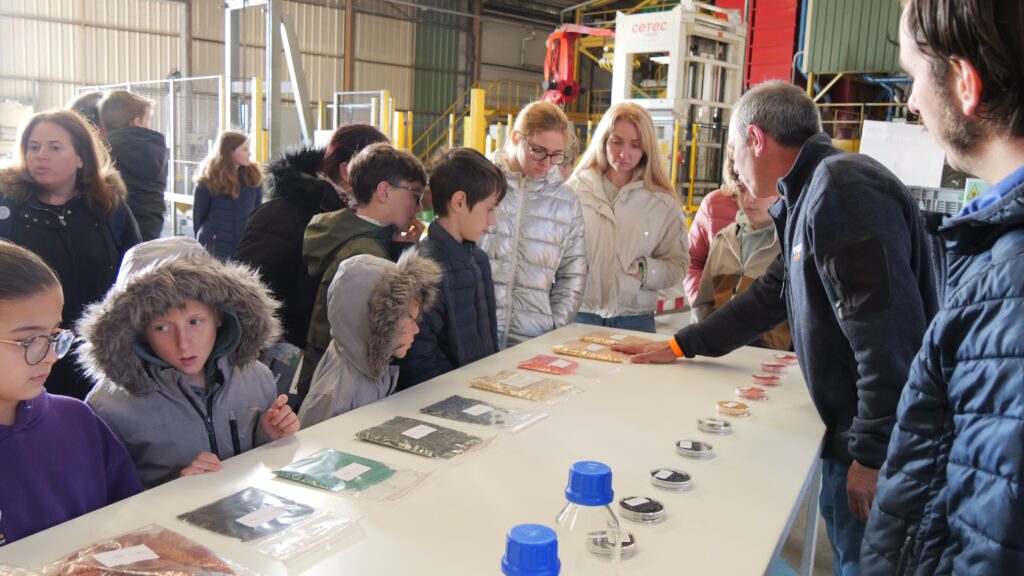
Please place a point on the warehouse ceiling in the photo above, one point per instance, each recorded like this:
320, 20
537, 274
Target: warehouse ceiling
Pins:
545, 10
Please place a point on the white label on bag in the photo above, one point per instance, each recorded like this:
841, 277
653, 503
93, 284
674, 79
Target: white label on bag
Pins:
478, 410
663, 474
417, 432
350, 472
520, 380
685, 444
618, 337
561, 363
729, 405
261, 516
639, 500
594, 347
124, 556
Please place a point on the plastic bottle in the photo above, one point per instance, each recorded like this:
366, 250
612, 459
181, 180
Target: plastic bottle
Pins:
586, 527
531, 550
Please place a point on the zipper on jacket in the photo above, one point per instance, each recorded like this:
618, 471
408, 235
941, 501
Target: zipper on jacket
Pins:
514, 256
236, 442
211, 433
901, 566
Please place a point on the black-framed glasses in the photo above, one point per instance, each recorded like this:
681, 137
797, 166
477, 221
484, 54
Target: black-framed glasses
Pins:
540, 154
417, 193
37, 347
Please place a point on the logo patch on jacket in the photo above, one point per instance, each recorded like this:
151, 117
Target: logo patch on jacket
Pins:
798, 252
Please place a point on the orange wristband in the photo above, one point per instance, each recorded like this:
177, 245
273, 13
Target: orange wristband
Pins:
675, 347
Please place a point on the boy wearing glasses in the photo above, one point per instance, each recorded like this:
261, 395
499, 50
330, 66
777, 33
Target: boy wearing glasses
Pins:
60, 460
388, 187
462, 327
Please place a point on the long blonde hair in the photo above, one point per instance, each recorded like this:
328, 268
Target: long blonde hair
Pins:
654, 175
539, 117
218, 172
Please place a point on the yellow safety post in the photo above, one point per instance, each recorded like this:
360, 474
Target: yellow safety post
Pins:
693, 163
385, 111
675, 154
225, 103
488, 145
408, 130
477, 125
398, 131
260, 133
451, 131
500, 139
467, 132
511, 122
321, 114
590, 133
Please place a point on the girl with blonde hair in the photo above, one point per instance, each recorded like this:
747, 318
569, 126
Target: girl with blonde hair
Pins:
536, 247
635, 230
228, 189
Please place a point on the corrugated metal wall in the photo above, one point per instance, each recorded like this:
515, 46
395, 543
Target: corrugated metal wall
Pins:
441, 44
51, 46
852, 36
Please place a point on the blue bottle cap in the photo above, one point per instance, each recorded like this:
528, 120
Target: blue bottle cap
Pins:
590, 484
531, 550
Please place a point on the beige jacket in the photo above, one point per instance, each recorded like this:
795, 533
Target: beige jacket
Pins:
725, 276
639, 225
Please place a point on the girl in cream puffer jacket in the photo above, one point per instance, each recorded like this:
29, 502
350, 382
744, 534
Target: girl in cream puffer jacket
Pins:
635, 231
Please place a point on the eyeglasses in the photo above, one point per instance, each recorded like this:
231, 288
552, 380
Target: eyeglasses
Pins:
37, 347
417, 193
540, 154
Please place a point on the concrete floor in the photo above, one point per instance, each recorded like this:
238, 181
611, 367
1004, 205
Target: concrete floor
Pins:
792, 550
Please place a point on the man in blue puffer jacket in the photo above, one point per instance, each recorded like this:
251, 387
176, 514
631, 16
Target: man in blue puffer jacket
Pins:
949, 495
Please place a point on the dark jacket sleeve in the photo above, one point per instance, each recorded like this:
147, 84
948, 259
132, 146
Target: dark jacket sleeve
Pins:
426, 358
742, 320
269, 246
200, 207
130, 235
861, 241
912, 481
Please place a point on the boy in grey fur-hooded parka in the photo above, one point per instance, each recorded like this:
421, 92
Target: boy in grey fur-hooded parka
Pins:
366, 301
161, 420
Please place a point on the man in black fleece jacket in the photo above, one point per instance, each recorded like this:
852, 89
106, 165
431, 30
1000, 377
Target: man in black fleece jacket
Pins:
855, 279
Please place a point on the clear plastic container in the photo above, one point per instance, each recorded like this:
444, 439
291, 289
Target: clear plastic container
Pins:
531, 550
587, 517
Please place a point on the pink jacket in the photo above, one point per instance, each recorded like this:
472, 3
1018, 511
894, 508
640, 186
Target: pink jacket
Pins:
717, 210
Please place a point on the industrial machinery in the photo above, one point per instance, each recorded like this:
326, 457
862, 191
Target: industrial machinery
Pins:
685, 66
560, 83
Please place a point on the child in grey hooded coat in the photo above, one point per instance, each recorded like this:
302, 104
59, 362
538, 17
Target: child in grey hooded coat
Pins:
372, 305
162, 420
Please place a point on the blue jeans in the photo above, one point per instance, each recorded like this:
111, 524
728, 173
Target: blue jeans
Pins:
844, 531
641, 323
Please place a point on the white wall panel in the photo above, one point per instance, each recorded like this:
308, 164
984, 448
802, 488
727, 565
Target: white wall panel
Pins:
115, 56
384, 40
147, 15
502, 44
383, 77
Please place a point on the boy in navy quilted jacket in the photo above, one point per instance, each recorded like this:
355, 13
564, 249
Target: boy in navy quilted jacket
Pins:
462, 326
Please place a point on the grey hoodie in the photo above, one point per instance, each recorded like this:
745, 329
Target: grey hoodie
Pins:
162, 422
365, 302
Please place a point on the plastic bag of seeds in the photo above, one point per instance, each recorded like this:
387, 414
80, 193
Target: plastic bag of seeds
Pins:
352, 475
611, 338
419, 437
278, 527
523, 385
463, 409
149, 550
550, 365
590, 350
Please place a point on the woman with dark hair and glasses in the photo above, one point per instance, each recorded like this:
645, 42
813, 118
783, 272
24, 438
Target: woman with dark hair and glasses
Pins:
63, 200
57, 459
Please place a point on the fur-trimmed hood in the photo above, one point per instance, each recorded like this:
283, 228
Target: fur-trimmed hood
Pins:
157, 276
16, 185
364, 331
294, 175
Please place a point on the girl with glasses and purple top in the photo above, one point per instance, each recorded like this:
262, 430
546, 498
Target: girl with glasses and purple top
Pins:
46, 440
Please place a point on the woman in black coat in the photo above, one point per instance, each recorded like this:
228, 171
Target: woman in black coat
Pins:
301, 183
63, 201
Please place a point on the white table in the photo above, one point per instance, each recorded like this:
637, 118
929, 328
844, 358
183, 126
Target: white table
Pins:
629, 417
